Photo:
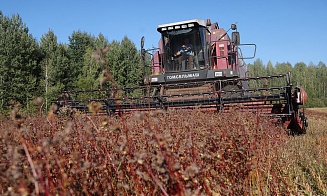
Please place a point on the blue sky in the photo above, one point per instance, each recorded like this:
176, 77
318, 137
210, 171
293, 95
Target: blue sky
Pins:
283, 30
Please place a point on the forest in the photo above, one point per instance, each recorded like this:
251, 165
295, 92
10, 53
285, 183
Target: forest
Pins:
31, 68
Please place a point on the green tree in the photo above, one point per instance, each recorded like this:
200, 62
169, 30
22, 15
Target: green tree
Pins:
299, 74
124, 63
79, 43
254, 70
311, 81
131, 62
101, 41
322, 80
55, 66
257, 69
19, 61
91, 70
270, 69
283, 68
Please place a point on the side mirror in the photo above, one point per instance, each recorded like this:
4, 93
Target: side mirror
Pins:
142, 49
142, 42
233, 27
236, 38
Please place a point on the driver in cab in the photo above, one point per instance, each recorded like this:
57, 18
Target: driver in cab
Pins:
186, 49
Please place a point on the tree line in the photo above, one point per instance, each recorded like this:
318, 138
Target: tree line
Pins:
312, 78
31, 68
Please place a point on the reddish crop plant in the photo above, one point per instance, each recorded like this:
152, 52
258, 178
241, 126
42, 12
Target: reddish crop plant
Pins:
174, 152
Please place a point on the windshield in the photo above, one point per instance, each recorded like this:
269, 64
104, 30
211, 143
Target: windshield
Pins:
184, 50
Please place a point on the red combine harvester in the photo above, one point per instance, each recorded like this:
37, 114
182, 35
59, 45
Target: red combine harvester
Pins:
199, 65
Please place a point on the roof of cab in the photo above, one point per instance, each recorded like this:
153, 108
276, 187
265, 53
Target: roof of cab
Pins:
198, 21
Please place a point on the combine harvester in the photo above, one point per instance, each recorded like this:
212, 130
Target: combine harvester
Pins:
199, 65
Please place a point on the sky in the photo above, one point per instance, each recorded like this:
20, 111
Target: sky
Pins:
284, 31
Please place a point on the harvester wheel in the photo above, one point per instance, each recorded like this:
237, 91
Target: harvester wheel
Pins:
305, 124
110, 110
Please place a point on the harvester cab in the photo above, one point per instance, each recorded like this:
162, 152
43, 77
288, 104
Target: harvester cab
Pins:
196, 50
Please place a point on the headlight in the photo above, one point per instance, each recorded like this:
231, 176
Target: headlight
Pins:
154, 79
190, 25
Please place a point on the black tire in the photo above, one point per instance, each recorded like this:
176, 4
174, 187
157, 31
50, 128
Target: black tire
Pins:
110, 108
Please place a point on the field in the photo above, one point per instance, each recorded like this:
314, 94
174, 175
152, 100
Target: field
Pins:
161, 153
